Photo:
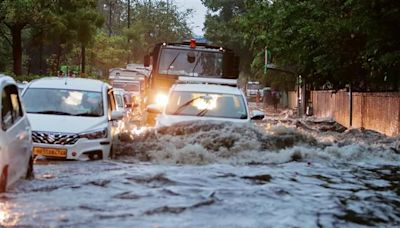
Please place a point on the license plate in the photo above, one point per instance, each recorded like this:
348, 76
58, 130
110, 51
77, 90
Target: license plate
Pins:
51, 152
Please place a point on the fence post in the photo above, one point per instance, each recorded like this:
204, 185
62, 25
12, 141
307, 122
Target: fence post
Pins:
362, 110
398, 119
350, 106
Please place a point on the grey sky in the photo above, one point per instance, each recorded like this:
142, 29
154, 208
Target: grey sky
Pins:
199, 13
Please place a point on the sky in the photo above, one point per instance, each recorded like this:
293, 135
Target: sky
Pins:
199, 14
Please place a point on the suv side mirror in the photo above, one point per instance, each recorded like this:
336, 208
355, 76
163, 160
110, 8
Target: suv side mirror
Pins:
117, 115
146, 61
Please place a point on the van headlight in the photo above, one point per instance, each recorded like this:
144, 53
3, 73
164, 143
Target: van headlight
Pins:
161, 99
98, 134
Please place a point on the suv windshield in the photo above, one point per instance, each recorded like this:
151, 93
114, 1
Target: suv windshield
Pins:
190, 62
206, 104
63, 102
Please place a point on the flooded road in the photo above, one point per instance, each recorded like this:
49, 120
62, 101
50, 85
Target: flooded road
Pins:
284, 172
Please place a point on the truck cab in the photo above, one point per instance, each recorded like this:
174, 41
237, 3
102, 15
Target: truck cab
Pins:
171, 60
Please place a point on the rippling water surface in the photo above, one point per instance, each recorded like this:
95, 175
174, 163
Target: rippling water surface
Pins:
281, 173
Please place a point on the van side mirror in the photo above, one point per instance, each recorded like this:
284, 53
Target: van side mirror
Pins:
257, 115
146, 61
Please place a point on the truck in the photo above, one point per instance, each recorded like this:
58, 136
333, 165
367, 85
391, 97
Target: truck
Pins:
131, 80
188, 59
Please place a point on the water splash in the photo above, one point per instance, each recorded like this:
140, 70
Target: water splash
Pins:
211, 142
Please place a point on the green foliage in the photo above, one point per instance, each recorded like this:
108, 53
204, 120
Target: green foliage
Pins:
349, 41
54, 33
22, 78
108, 52
222, 28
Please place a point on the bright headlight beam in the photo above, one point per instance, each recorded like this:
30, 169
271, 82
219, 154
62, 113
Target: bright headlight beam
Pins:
161, 99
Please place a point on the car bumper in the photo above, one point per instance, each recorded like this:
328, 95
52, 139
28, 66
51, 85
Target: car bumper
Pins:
80, 150
168, 120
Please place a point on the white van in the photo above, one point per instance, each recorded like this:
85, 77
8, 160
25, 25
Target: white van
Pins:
72, 118
15, 136
194, 99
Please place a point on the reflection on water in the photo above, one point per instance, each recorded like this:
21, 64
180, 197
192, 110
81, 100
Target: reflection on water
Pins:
7, 218
125, 194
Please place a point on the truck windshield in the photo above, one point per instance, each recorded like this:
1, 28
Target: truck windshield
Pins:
190, 63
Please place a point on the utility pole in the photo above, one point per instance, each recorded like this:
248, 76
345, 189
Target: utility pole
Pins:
110, 18
129, 25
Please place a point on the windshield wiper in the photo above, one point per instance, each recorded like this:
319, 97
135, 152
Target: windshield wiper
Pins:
172, 62
87, 114
202, 112
179, 109
52, 112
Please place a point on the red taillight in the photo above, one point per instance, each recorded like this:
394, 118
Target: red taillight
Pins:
192, 43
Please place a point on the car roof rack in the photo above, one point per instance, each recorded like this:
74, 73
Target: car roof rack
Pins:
206, 80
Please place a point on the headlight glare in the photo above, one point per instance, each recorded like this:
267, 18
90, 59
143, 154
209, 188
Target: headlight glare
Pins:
161, 99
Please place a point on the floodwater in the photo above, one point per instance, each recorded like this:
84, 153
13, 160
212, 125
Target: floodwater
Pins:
283, 172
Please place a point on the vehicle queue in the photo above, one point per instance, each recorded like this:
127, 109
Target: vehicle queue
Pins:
80, 119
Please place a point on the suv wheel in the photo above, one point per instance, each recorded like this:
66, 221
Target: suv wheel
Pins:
3, 179
29, 173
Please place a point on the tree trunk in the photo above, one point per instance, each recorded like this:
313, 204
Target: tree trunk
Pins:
16, 48
110, 5
58, 59
129, 25
83, 60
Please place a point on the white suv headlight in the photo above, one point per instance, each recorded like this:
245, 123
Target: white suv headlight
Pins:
98, 134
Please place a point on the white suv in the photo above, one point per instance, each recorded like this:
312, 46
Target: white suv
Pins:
72, 118
15, 136
194, 100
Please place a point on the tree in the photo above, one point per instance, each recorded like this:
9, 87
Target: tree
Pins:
108, 52
222, 28
154, 22
17, 14
351, 41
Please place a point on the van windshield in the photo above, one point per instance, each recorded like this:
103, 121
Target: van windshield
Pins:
206, 104
63, 102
